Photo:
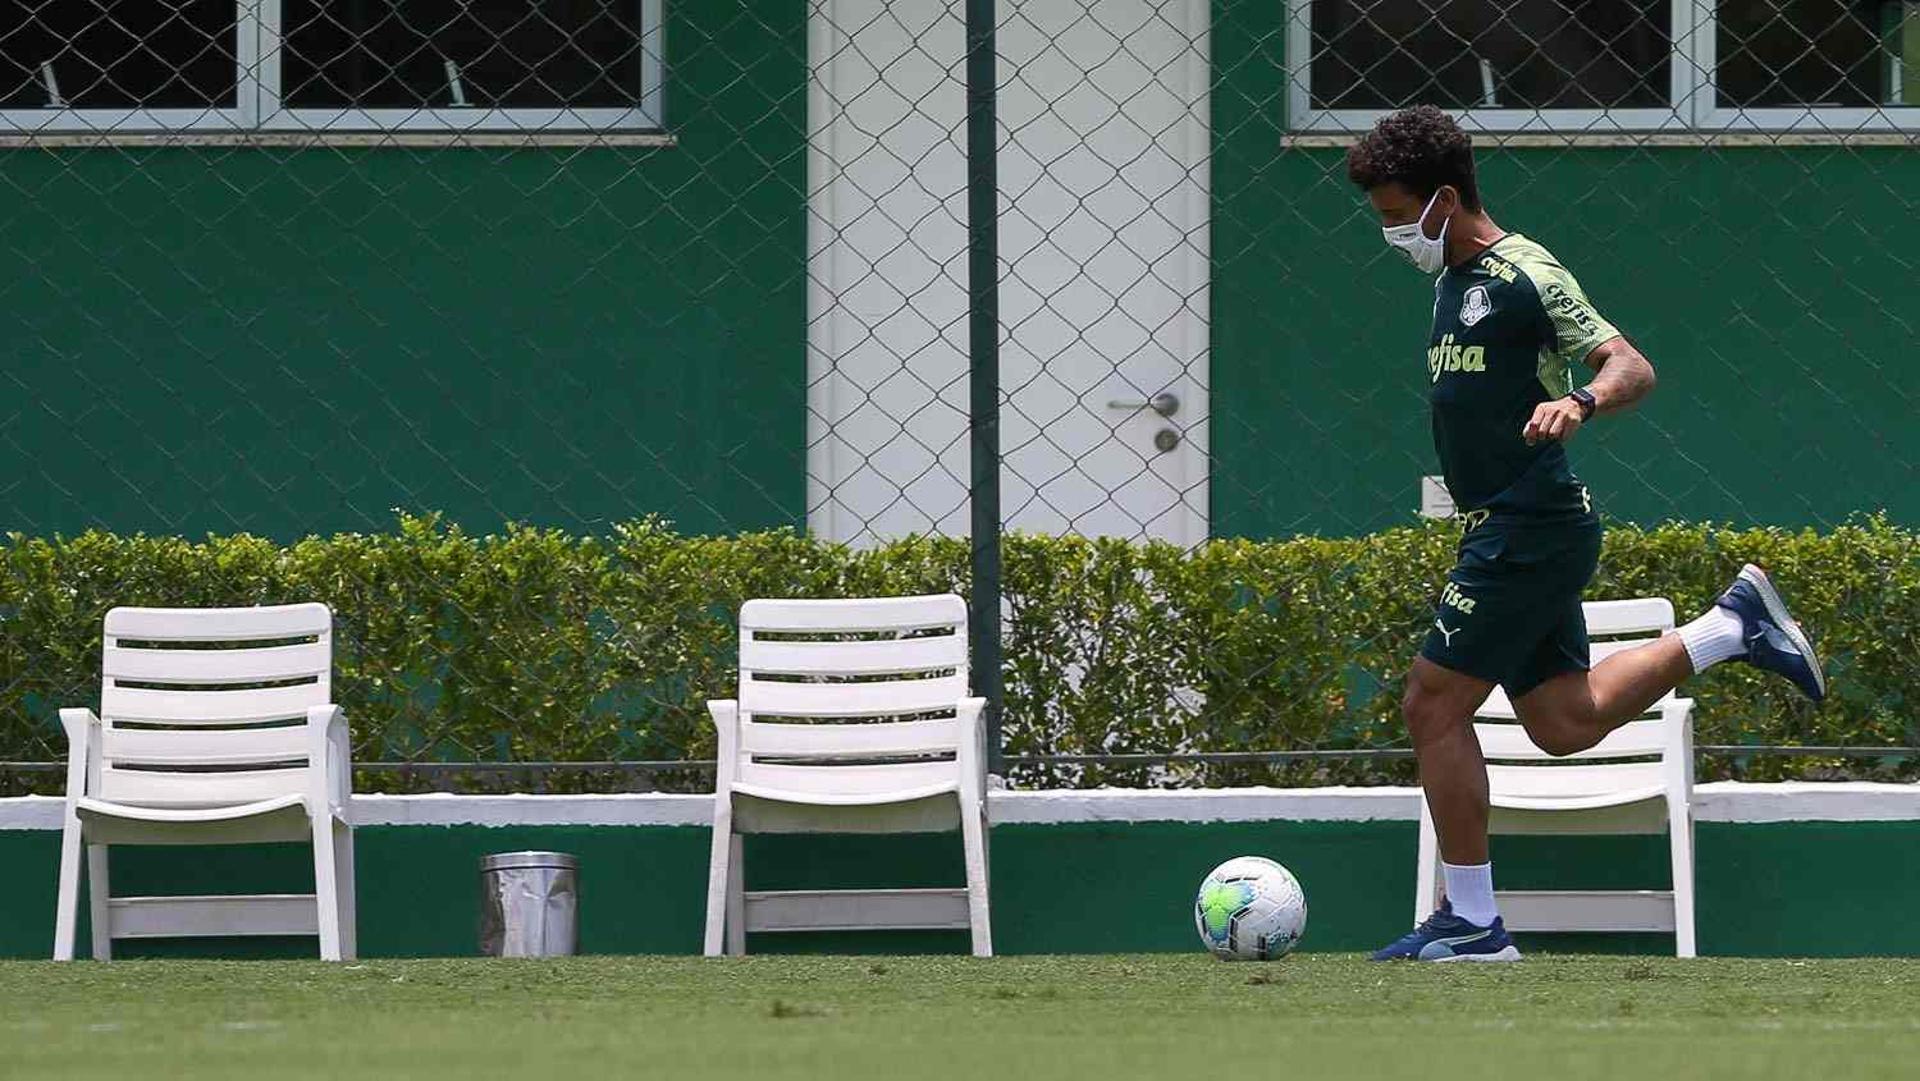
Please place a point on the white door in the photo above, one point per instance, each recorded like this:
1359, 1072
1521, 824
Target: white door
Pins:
1103, 242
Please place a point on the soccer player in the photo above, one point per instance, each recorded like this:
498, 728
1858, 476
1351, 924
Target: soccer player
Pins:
1509, 325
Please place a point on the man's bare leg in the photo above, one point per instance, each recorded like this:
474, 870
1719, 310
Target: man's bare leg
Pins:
1438, 708
1575, 710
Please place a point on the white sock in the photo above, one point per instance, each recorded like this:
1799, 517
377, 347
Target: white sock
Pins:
1714, 637
1470, 889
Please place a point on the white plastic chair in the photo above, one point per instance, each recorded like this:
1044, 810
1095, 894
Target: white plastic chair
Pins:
216, 726
1639, 779
853, 716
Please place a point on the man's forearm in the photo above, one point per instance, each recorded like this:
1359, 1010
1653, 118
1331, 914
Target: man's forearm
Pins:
1622, 378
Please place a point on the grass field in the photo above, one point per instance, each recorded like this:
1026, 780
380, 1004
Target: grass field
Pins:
1311, 1016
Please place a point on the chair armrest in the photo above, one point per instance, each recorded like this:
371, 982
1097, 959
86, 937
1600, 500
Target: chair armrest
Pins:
726, 739
83, 746
1680, 738
725, 713
972, 754
330, 753
79, 724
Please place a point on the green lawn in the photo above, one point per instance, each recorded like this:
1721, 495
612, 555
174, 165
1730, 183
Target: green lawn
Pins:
1014, 1019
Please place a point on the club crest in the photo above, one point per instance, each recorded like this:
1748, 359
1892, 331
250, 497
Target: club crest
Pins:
1475, 306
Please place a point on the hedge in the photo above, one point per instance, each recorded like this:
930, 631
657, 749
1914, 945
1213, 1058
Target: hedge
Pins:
539, 645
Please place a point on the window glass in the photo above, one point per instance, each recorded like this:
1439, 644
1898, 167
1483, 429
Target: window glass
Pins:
1524, 54
118, 54
1815, 52
414, 54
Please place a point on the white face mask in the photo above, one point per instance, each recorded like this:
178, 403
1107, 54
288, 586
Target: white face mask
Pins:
1429, 254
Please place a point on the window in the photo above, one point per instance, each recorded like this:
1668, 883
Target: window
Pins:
178, 58
1527, 54
1608, 65
1776, 53
1820, 65
346, 65
508, 64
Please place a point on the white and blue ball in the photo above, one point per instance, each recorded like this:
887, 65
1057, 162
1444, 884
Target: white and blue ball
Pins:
1250, 909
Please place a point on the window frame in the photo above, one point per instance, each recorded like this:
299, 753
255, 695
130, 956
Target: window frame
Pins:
1692, 95
241, 116
1824, 119
257, 99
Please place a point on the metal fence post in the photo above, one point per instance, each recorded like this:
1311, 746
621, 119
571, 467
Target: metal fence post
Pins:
984, 365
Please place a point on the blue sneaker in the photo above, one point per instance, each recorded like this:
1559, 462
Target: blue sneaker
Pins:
1447, 937
1774, 641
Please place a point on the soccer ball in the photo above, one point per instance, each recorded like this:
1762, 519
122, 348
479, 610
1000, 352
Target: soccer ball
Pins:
1250, 909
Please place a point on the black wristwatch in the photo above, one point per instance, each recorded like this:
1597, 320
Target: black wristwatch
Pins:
1587, 402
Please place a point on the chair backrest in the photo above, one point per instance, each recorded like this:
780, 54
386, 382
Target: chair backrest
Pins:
1630, 757
208, 706
851, 697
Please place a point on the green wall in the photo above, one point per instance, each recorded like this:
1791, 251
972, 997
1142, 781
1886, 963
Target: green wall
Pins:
1774, 290
1076, 888
291, 341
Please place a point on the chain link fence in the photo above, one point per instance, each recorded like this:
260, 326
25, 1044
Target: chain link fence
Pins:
291, 269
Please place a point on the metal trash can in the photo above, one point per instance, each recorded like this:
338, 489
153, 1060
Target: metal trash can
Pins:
529, 904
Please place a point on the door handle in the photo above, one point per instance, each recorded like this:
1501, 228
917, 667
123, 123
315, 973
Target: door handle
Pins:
1162, 403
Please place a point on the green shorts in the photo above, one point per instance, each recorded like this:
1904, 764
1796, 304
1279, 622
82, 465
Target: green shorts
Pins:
1510, 610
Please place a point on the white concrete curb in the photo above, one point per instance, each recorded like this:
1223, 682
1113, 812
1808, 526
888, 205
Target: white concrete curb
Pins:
1806, 801
1332, 804
441, 809
1721, 801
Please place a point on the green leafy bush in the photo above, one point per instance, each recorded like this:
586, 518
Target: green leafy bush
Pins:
537, 645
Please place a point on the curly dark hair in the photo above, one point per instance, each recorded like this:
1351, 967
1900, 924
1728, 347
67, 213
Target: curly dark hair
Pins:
1420, 148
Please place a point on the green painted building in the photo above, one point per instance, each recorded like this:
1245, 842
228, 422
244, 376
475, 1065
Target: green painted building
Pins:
756, 319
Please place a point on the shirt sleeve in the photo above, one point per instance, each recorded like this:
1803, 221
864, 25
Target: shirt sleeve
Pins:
1574, 327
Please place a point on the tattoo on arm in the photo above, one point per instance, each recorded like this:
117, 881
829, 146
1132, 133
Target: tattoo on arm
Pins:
1622, 375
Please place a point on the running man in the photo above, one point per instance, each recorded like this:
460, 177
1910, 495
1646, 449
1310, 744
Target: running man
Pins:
1509, 325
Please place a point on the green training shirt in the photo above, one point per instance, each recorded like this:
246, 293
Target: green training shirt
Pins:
1509, 324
